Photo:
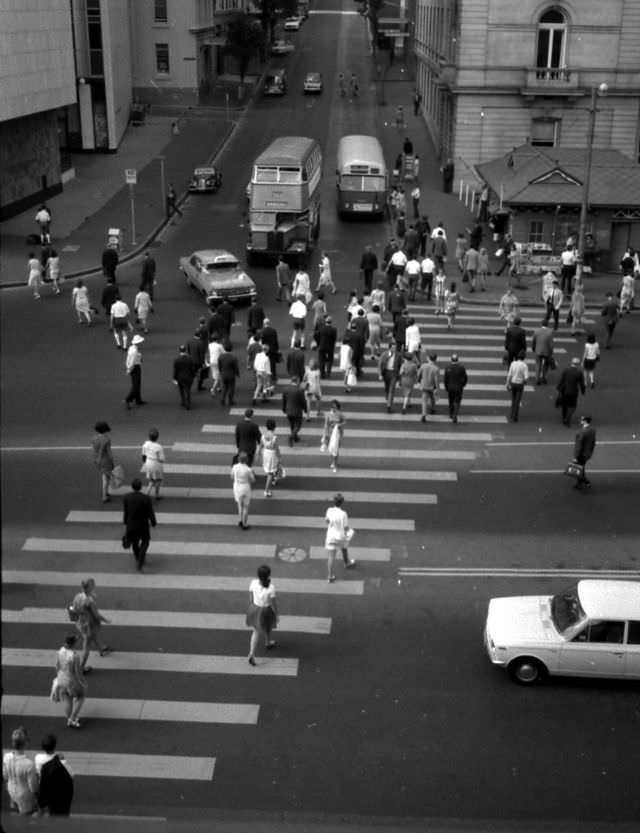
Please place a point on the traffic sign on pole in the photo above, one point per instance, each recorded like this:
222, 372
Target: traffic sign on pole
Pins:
131, 176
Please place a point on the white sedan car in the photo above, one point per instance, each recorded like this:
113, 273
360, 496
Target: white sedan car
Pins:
292, 24
312, 83
217, 274
282, 47
590, 630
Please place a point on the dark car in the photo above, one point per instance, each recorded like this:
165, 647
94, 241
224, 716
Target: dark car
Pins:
205, 179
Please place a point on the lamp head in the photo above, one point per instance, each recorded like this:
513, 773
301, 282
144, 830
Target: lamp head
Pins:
603, 89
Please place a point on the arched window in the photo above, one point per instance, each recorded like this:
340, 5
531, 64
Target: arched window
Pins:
550, 53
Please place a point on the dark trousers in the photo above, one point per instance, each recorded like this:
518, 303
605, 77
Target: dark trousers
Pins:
455, 398
273, 365
295, 424
611, 325
203, 375
552, 311
139, 544
427, 285
566, 278
542, 365
413, 285
568, 405
185, 394
516, 398
368, 280
325, 360
389, 380
228, 390
135, 394
583, 480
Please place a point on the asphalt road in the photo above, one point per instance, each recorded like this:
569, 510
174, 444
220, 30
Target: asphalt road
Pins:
395, 713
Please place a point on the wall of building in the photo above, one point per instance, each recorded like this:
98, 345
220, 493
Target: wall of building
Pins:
117, 59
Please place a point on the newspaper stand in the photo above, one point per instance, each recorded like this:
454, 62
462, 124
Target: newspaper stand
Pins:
409, 166
114, 238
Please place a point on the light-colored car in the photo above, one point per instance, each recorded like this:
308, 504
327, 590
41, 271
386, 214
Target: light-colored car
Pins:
282, 47
205, 179
312, 82
292, 24
590, 630
217, 274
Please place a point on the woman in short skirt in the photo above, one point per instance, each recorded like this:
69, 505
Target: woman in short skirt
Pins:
80, 302
337, 536
271, 456
242, 476
312, 389
375, 331
153, 463
346, 363
71, 686
590, 359
262, 615
333, 432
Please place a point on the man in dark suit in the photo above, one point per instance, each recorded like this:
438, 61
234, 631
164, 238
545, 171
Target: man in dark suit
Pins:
583, 449
326, 341
229, 372
228, 316
138, 516
255, 317
368, 267
148, 276
248, 436
110, 261
570, 385
197, 350
269, 336
294, 405
184, 372
110, 294
295, 361
515, 340
218, 324
455, 381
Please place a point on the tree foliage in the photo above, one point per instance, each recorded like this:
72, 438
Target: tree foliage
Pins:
245, 40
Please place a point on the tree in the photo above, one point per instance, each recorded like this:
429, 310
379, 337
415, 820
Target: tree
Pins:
245, 40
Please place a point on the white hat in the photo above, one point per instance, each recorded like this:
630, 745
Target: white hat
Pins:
137, 340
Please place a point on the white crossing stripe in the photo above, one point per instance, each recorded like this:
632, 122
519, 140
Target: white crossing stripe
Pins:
461, 350
181, 663
147, 581
111, 765
203, 519
197, 548
411, 453
309, 471
102, 708
515, 572
470, 419
290, 495
373, 433
381, 401
170, 619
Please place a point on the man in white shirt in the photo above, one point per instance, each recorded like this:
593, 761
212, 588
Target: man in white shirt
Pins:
396, 267
427, 268
119, 323
298, 313
517, 377
567, 269
436, 231
134, 370
262, 368
412, 271
214, 351
301, 285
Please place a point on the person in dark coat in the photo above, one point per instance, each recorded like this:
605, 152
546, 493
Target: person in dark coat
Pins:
326, 341
248, 436
475, 237
294, 405
400, 329
368, 266
148, 276
455, 381
56, 781
217, 324
110, 261
185, 371
255, 317
197, 350
515, 340
610, 314
583, 449
228, 316
110, 294
229, 372
269, 336
138, 516
295, 361
571, 384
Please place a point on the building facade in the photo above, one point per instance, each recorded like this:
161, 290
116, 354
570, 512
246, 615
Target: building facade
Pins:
495, 74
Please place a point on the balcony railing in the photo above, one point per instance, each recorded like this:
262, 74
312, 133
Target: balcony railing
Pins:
552, 77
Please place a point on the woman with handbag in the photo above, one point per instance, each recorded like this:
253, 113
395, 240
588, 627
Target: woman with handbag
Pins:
333, 432
153, 463
271, 456
262, 614
339, 533
71, 684
103, 457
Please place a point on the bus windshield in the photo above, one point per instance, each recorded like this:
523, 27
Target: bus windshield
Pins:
284, 176
351, 182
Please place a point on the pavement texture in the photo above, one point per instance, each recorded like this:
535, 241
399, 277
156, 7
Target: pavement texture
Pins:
98, 198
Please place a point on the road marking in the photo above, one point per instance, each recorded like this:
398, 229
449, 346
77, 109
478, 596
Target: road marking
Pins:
101, 708
148, 581
508, 572
111, 765
463, 419
551, 471
394, 453
197, 548
373, 433
309, 471
293, 495
537, 443
217, 519
175, 663
316, 625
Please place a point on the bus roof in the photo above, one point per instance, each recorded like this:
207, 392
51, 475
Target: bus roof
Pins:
359, 149
287, 151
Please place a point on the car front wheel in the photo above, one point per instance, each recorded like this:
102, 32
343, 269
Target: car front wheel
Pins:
527, 671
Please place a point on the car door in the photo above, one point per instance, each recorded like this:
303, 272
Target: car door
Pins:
632, 667
597, 651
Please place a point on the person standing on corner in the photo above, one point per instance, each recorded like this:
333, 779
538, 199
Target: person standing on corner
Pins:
583, 449
89, 621
134, 370
262, 615
455, 381
294, 405
148, 275
242, 477
138, 516
517, 377
103, 456
570, 385
172, 202
338, 536
153, 463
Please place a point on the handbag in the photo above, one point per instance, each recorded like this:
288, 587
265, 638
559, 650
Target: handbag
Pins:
574, 469
126, 543
117, 477
348, 535
352, 380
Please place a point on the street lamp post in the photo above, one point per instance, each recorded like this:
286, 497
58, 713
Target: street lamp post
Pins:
586, 179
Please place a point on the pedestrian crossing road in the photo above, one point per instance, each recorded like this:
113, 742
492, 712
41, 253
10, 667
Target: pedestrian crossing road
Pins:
393, 471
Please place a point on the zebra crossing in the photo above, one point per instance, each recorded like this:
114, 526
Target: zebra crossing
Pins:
390, 474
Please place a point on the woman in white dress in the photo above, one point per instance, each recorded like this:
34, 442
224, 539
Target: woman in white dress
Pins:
346, 364
71, 685
80, 302
375, 331
242, 477
35, 275
271, 456
153, 463
143, 305
333, 432
312, 389
338, 536
53, 268
262, 615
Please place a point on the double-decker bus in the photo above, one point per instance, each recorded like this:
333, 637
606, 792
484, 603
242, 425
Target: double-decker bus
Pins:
362, 176
284, 205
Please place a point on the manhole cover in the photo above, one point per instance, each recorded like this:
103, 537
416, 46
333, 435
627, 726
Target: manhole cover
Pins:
292, 554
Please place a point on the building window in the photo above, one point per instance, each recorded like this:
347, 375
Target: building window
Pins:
550, 52
160, 11
544, 132
162, 58
536, 231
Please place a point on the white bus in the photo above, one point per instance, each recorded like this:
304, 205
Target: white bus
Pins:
362, 176
284, 203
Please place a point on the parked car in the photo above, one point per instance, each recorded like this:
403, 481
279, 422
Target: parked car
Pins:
205, 179
590, 630
275, 82
217, 274
312, 82
292, 24
282, 47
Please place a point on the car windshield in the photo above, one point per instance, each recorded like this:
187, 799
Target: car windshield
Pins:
221, 266
566, 610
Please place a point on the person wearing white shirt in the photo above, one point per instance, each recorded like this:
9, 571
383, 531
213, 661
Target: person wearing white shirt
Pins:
301, 286
427, 268
412, 342
338, 536
567, 268
517, 377
262, 368
298, 313
119, 321
412, 271
214, 351
436, 231
262, 615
